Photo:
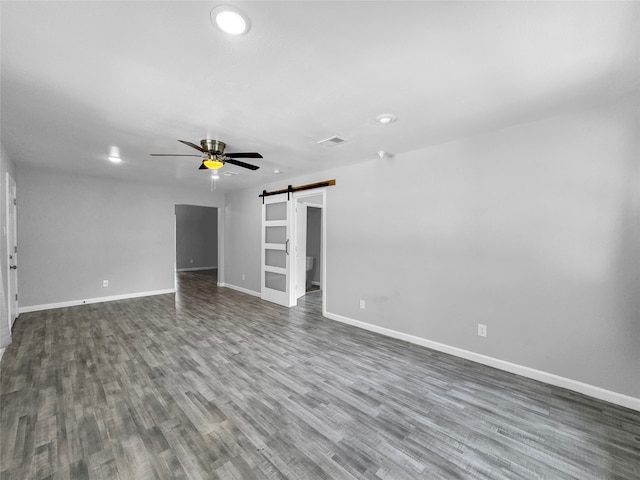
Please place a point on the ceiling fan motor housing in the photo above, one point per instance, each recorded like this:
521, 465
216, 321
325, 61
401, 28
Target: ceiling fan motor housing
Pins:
213, 147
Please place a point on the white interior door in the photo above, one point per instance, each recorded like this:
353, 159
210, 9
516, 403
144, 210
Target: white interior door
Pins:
277, 277
301, 249
12, 249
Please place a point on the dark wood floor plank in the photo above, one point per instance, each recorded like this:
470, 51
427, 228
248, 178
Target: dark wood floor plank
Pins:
211, 383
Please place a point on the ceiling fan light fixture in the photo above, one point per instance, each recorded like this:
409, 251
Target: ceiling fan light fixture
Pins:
230, 20
212, 163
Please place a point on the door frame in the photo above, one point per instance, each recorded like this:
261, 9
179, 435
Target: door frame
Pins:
220, 268
12, 240
300, 249
322, 191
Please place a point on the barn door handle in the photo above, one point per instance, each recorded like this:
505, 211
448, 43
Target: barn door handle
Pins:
286, 247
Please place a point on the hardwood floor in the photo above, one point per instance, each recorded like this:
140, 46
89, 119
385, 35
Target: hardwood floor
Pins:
215, 384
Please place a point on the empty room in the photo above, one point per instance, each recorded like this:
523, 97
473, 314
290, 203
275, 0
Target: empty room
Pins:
311, 240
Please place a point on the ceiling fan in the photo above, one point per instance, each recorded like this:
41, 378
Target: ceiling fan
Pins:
215, 156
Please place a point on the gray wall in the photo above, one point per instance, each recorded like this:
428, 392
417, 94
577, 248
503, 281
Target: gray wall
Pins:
314, 237
196, 237
532, 230
6, 165
242, 223
74, 232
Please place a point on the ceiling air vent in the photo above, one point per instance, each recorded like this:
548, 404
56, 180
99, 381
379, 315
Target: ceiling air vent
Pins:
331, 141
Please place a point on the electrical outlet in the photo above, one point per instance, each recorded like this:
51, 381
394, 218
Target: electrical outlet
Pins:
243, 277
482, 330
105, 283
362, 304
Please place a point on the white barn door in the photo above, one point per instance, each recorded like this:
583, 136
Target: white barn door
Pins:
277, 276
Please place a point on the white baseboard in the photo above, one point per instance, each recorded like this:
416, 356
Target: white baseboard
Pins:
550, 378
240, 289
195, 269
86, 301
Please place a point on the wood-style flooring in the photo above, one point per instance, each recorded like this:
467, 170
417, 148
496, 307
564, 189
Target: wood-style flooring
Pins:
212, 383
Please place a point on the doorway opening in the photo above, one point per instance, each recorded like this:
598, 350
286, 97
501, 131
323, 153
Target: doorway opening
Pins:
196, 243
308, 245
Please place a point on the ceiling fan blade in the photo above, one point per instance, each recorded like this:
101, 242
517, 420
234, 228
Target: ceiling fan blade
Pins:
193, 145
241, 164
172, 155
243, 155
202, 167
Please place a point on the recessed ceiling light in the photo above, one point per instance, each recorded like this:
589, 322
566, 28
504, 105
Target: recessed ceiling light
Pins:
386, 118
230, 20
277, 172
114, 154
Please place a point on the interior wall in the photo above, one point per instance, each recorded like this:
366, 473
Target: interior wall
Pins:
6, 165
76, 231
242, 239
196, 237
532, 230
314, 240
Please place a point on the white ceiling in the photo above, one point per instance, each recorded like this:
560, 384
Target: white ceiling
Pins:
79, 77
